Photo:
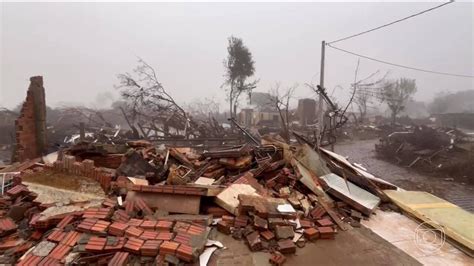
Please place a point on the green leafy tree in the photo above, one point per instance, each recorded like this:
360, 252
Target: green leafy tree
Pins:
396, 93
239, 66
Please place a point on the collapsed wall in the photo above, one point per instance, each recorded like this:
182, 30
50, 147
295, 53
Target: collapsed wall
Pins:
31, 124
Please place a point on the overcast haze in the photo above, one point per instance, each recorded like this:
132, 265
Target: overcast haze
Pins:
80, 47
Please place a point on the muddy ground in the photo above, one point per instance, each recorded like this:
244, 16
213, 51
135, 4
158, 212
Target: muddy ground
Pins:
363, 151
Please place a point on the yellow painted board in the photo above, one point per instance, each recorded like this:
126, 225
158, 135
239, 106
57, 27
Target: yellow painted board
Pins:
458, 224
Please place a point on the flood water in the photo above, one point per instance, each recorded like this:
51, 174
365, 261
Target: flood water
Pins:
363, 152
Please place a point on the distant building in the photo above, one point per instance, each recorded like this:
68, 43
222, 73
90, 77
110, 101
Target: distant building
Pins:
246, 117
306, 111
261, 111
266, 118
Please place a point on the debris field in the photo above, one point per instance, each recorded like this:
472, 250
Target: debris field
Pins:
162, 202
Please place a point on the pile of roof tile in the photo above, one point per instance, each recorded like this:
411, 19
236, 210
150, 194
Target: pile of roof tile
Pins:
100, 234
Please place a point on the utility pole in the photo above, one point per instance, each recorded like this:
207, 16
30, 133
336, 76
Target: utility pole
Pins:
321, 75
321, 100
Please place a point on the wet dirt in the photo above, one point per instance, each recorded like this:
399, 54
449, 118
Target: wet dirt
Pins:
363, 152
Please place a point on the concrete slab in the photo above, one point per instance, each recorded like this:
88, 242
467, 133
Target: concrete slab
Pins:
401, 231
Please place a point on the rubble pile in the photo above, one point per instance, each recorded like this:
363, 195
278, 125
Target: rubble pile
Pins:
433, 149
163, 202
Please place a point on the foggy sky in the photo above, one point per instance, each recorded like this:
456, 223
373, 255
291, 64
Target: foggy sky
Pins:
80, 47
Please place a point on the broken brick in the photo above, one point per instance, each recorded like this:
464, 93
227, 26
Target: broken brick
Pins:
326, 232
311, 233
224, 227
286, 246
277, 259
260, 223
267, 235
325, 222
254, 241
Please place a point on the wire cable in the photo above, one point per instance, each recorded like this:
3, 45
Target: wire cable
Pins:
402, 66
391, 23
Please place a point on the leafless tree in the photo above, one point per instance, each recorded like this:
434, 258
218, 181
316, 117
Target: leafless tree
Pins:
280, 100
203, 109
366, 90
148, 103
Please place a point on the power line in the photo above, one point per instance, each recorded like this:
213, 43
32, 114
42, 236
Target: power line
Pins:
402, 66
391, 23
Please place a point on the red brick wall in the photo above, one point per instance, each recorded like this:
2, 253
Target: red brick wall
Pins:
85, 168
31, 125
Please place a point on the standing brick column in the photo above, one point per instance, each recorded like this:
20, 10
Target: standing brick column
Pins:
31, 124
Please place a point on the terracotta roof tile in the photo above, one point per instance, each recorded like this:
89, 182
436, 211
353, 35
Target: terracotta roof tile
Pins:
120, 216
7, 224
133, 245
149, 235
115, 245
98, 213
70, 238
185, 252
119, 259
100, 227
183, 238
148, 225
65, 221
168, 247
151, 247
118, 228
164, 225
135, 222
164, 236
56, 235
86, 225
36, 235
59, 252
17, 191
30, 260
133, 231
196, 230
181, 226
49, 261
95, 244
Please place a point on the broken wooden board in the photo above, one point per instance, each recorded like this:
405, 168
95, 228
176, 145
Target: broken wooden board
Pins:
457, 224
351, 194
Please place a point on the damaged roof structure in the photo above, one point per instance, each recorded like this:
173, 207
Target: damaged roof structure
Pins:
160, 205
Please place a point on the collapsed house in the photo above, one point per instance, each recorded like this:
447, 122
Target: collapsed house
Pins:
142, 202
